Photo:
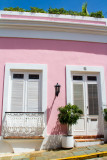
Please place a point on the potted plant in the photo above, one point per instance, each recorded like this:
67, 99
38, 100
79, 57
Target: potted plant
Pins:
69, 115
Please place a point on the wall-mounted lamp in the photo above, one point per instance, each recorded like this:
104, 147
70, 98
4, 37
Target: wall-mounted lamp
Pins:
57, 89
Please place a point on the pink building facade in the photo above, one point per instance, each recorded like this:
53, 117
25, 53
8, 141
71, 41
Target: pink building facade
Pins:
37, 51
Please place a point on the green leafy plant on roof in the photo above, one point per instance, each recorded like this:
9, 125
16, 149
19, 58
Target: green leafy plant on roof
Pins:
37, 10
98, 14
84, 12
84, 9
15, 9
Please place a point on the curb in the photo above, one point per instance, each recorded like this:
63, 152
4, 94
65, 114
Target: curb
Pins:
83, 157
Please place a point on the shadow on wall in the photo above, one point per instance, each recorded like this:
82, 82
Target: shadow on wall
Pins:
58, 45
58, 129
52, 142
49, 110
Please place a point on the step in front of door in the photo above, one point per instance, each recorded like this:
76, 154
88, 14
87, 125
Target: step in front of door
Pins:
88, 142
88, 136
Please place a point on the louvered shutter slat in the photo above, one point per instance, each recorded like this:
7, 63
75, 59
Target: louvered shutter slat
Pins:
17, 95
32, 96
78, 96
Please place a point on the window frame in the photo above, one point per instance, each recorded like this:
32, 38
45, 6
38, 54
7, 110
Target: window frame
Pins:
71, 70
85, 83
19, 67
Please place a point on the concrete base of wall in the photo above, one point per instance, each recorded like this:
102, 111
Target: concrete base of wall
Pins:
28, 145
50, 142
24, 145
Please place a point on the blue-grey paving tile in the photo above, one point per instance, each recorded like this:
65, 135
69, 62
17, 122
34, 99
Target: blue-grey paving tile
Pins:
102, 149
19, 158
79, 153
67, 155
97, 146
42, 158
90, 151
47, 153
90, 147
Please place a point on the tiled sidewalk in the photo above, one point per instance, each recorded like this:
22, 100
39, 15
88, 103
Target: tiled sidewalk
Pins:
102, 158
57, 154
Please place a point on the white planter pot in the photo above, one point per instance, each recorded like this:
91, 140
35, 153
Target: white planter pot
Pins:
67, 141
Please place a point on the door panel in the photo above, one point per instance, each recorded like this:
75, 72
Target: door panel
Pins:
80, 126
85, 96
79, 100
92, 126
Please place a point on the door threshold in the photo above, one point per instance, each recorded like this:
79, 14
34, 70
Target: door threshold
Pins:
88, 136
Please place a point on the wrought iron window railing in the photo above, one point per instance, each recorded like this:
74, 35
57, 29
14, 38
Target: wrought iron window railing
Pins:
23, 124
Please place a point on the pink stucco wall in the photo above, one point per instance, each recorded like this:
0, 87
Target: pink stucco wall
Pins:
56, 54
53, 19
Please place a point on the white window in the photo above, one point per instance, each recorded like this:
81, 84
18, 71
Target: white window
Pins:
25, 88
25, 93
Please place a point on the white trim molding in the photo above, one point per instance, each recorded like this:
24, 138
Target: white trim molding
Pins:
27, 67
13, 33
85, 69
51, 15
53, 28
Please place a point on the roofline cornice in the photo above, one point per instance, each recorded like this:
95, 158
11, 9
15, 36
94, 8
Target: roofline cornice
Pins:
52, 15
45, 25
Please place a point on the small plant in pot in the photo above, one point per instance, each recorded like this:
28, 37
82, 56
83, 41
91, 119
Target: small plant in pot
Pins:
69, 115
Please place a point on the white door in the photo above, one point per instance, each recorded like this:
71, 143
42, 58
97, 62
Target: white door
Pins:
85, 96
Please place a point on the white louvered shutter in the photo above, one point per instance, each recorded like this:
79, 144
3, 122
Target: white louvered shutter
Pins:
93, 99
32, 95
17, 96
78, 95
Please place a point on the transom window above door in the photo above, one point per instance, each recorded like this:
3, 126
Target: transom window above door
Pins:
25, 92
81, 77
